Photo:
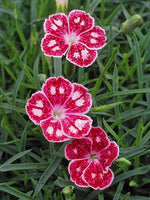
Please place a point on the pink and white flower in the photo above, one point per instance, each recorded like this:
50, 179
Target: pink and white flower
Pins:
75, 33
91, 157
59, 109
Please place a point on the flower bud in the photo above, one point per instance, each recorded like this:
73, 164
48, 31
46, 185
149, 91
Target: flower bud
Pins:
42, 77
61, 5
131, 23
67, 191
124, 161
133, 183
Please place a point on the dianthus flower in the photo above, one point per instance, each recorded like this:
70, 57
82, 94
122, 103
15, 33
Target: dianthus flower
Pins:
91, 158
59, 109
75, 33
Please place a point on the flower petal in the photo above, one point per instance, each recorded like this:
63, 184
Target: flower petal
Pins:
94, 38
38, 107
76, 168
53, 46
108, 155
99, 138
78, 149
52, 130
94, 176
80, 101
57, 90
79, 55
76, 126
80, 22
57, 25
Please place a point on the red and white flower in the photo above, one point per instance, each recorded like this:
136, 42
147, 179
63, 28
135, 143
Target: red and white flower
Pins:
59, 109
91, 158
75, 33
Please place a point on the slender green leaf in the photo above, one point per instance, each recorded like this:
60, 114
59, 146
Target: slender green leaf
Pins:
17, 85
15, 192
15, 157
93, 5
23, 166
35, 73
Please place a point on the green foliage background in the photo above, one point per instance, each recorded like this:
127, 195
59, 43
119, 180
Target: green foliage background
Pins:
32, 168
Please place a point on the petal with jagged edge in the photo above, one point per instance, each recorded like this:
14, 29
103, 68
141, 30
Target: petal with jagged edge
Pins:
38, 107
80, 55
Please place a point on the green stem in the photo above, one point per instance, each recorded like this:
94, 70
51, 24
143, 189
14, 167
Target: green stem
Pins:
113, 38
57, 67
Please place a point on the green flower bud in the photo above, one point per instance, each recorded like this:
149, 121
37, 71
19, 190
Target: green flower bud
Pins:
67, 191
42, 77
131, 23
133, 184
124, 160
61, 5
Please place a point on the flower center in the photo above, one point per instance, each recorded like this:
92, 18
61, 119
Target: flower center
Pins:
58, 112
93, 157
71, 38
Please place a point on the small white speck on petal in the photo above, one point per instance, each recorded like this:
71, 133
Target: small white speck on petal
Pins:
55, 48
54, 27
78, 169
37, 112
50, 130
93, 175
61, 90
80, 123
73, 129
58, 22
76, 95
82, 23
75, 151
93, 34
39, 104
59, 133
53, 90
84, 54
98, 139
79, 102
77, 20
93, 41
51, 43
76, 55
109, 152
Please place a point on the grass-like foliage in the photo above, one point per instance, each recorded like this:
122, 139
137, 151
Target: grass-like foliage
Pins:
31, 168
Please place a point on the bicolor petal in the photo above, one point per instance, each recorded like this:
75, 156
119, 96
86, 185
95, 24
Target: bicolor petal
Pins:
52, 130
94, 176
57, 25
54, 46
78, 149
80, 55
80, 22
94, 38
76, 168
80, 101
99, 138
57, 90
38, 107
108, 155
76, 126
